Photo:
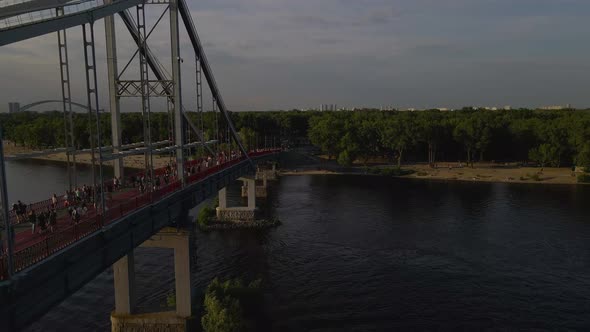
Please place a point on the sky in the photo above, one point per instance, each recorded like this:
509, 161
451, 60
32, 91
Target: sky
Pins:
280, 54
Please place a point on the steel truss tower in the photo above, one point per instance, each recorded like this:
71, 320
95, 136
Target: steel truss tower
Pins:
92, 93
64, 70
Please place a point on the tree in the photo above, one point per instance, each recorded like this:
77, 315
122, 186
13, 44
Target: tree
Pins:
344, 158
223, 314
431, 129
230, 306
583, 157
544, 154
464, 133
522, 135
326, 131
474, 132
397, 135
349, 145
247, 136
367, 135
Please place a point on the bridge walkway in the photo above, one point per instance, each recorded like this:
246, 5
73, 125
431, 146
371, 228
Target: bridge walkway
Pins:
32, 248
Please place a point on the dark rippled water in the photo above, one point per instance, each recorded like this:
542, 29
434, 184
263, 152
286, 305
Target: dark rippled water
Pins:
374, 254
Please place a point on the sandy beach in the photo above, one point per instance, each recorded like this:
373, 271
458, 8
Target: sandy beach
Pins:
136, 162
495, 173
480, 173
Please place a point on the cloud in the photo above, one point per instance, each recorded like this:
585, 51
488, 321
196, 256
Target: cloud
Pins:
282, 54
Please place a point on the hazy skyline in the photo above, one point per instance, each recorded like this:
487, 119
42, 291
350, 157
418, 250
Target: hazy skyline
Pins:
298, 54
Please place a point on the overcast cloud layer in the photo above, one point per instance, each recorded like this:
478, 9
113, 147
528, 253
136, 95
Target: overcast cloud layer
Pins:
279, 54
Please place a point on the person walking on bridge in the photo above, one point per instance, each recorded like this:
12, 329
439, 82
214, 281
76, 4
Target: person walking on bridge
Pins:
52, 220
54, 201
16, 210
32, 218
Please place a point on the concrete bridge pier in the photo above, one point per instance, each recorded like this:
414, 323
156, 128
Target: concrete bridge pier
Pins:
260, 189
239, 213
124, 319
124, 279
270, 174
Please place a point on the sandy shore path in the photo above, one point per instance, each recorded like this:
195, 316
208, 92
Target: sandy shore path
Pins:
137, 162
480, 173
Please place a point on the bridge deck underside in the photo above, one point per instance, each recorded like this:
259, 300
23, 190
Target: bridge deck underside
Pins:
35, 290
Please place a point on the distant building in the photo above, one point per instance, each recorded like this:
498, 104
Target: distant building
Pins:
13, 107
556, 108
328, 107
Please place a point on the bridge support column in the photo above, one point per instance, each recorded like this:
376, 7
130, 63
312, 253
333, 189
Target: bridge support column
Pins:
124, 278
178, 116
182, 320
223, 198
260, 191
180, 241
114, 100
251, 194
238, 213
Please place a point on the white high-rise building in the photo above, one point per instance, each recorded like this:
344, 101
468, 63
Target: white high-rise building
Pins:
13, 107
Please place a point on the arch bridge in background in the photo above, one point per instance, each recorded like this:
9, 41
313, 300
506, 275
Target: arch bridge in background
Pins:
41, 102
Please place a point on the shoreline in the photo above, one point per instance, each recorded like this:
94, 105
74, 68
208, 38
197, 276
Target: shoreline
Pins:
521, 175
136, 162
487, 173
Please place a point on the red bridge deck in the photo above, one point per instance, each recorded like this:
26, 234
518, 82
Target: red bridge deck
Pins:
31, 248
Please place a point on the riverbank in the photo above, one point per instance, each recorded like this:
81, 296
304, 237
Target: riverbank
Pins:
491, 173
452, 172
134, 162
303, 162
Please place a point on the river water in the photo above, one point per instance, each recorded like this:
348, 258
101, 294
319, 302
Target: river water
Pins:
375, 254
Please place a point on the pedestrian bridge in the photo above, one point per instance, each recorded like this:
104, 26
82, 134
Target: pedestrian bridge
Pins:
52, 268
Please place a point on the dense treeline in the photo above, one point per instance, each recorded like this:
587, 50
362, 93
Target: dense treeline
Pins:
551, 138
554, 138
257, 129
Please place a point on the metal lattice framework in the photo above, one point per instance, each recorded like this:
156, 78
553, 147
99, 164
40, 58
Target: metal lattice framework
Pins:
131, 88
32, 18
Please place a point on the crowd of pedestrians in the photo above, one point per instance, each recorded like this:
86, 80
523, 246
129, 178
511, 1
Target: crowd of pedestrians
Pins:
41, 221
78, 200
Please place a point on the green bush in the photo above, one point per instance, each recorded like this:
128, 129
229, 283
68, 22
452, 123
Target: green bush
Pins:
223, 315
584, 178
344, 158
171, 300
536, 177
227, 303
205, 215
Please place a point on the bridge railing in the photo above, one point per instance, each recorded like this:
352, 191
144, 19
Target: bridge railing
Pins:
36, 251
42, 206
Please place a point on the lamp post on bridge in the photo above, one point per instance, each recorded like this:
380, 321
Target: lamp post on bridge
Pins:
5, 215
